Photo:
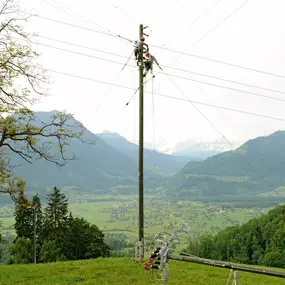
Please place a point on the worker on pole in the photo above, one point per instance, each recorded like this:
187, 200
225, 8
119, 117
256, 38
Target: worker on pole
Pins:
148, 64
140, 45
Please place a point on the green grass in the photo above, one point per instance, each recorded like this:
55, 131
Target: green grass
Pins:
121, 271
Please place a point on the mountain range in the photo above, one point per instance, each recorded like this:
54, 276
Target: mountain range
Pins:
110, 162
254, 168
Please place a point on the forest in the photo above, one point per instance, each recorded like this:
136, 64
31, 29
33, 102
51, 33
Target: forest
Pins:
260, 241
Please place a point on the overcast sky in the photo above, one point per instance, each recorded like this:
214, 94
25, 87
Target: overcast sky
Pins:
253, 37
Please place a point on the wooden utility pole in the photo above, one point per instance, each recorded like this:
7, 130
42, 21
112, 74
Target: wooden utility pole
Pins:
141, 146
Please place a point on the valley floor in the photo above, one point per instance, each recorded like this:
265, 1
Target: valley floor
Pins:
121, 271
119, 214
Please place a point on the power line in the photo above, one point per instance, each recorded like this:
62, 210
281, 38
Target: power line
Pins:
74, 14
80, 46
116, 118
226, 80
110, 88
221, 62
218, 131
72, 25
201, 113
168, 49
82, 28
184, 78
85, 20
226, 87
79, 53
118, 8
168, 96
199, 17
165, 66
221, 107
225, 19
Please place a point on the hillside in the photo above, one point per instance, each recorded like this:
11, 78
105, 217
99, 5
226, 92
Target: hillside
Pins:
259, 241
121, 271
154, 161
98, 167
255, 167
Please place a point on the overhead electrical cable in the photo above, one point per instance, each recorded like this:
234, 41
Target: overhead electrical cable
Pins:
169, 96
205, 11
80, 46
218, 25
87, 21
164, 66
74, 14
184, 78
169, 49
217, 130
198, 18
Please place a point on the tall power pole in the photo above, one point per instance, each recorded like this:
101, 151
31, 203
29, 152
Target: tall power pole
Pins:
141, 146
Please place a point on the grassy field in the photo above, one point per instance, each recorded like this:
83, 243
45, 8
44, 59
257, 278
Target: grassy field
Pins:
121, 271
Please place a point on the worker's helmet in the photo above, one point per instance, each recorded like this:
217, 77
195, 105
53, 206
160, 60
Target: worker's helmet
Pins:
142, 39
147, 54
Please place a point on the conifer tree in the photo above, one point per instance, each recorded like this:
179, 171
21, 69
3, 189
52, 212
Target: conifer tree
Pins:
23, 217
55, 224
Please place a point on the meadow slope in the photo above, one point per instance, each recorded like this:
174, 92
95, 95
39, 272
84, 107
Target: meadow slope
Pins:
121, 271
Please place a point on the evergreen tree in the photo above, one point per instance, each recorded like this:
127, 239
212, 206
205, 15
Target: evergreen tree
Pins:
56, 218
23, 217
84, 240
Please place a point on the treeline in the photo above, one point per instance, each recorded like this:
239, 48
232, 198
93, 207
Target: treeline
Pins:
260, 241
59, 236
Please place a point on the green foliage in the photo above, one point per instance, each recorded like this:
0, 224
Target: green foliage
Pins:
23, 217
59, 235
50, 252
273, 259
5, 245
84, 240
259, 241
117, 242
55, 222
22, 251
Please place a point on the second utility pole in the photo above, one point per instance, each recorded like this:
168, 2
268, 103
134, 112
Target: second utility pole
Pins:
141, 146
